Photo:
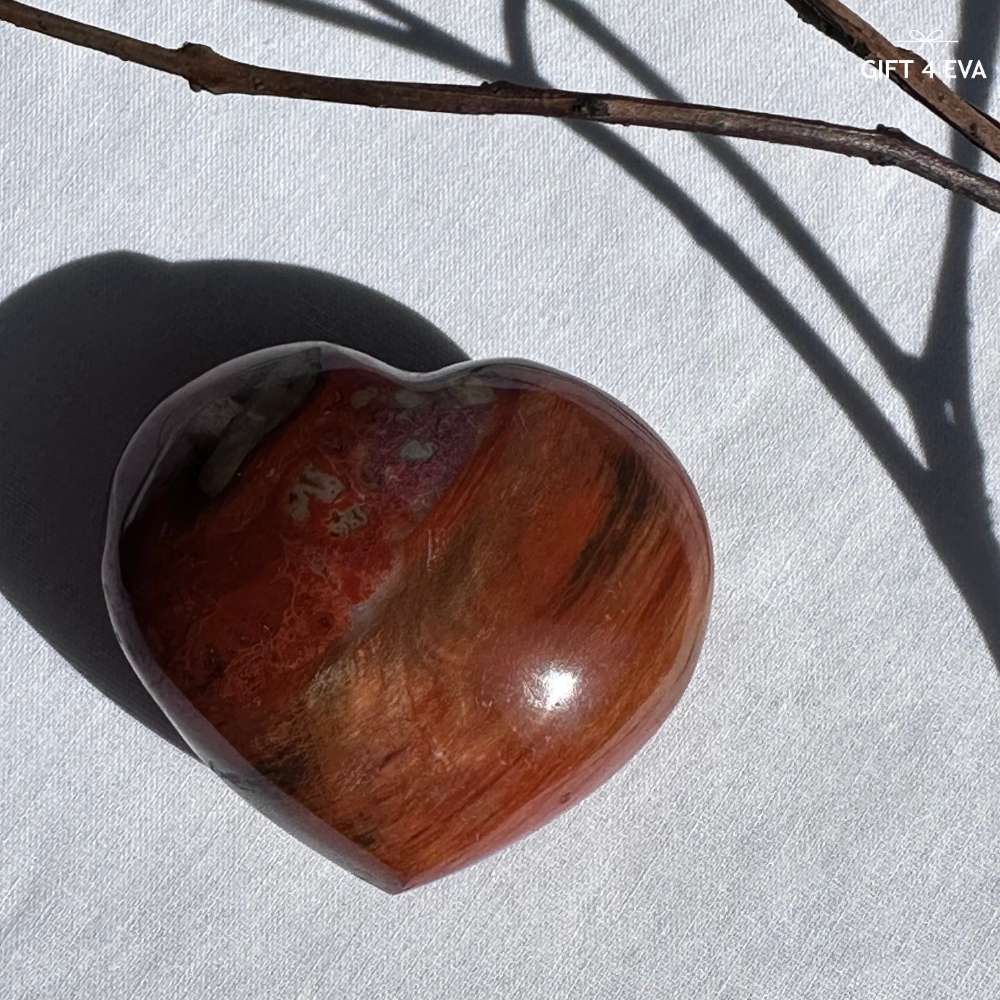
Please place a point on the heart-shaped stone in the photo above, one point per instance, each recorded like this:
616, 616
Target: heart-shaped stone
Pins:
410, 617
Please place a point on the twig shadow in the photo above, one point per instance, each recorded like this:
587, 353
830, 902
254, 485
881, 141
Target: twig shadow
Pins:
945, 485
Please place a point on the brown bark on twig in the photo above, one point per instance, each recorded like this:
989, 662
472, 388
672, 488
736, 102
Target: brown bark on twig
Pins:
905, 68
206, 70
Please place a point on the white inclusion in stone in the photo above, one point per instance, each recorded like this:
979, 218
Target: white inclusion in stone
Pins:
407, 399
417, 451
313, 483
557, 686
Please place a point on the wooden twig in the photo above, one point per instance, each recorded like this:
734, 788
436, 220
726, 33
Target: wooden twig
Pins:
905, 68
206, 70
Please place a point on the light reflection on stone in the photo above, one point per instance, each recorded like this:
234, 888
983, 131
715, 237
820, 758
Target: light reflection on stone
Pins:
554, 689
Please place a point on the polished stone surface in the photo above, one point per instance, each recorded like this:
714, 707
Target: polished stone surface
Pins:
411, 618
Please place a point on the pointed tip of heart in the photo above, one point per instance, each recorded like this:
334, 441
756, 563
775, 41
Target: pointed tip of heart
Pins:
394, 883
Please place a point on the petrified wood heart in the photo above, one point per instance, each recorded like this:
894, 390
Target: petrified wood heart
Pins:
411, 618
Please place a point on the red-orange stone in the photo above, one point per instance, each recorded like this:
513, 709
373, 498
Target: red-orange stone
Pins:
426, 615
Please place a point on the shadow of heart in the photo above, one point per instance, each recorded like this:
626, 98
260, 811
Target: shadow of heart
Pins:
86, 351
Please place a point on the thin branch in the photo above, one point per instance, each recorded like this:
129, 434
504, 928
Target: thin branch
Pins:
905, 68
206, 70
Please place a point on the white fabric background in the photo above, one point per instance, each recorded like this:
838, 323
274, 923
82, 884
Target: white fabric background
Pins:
821, 815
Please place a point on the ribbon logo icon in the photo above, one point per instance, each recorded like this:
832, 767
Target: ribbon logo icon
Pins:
925, 45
